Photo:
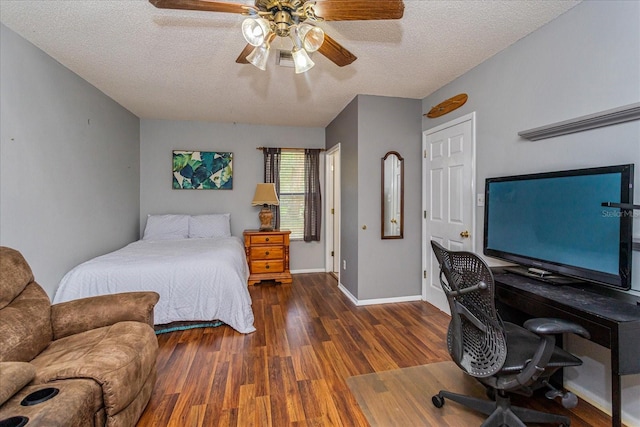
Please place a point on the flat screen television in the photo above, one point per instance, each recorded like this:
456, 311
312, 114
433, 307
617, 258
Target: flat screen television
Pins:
563, 226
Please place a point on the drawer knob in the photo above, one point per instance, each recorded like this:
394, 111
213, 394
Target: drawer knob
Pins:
266, 266
266, 253
266, 239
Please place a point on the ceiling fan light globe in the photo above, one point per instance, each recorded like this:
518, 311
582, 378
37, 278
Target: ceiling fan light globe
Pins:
259, 56
255, 31
311, 36
301, 60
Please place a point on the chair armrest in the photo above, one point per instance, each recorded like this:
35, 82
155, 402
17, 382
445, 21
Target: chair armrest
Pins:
551, 326
73, 317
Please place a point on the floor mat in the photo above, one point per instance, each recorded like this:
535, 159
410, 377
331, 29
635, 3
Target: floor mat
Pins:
402, 397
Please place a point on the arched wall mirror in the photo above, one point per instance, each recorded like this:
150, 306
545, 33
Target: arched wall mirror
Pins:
392, 196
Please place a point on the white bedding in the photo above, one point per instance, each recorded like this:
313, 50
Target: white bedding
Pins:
197, 279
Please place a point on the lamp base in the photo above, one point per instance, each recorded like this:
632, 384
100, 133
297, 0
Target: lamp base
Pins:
265, 216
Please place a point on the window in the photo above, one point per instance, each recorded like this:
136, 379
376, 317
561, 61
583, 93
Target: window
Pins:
296, 175
292, 192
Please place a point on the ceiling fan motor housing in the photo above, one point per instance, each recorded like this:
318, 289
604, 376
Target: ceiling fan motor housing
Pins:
283, 22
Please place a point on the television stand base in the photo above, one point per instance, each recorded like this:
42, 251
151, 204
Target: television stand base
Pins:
543, 276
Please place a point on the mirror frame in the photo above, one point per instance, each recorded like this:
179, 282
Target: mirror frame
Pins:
382, 198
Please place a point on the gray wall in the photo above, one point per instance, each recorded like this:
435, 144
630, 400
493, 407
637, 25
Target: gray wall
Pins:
159, 137
586, 61
388, 268
367, 129
344, 130
69, 164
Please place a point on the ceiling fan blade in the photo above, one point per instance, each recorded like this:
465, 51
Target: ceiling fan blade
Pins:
242, 58
205, 5
358, 10
335, 52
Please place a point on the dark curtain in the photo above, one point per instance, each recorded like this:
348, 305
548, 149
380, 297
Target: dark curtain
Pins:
272, 174
312, 199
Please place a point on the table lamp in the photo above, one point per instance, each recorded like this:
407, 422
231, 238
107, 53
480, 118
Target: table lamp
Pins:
265, 196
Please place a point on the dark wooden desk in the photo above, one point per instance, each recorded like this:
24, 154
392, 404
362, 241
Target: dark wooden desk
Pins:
612, 319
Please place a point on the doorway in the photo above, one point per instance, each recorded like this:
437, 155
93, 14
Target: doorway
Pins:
332, 209
448, 202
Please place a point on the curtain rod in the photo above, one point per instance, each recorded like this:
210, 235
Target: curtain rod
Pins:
289, 148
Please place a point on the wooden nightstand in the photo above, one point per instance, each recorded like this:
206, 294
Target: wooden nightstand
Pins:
267, 255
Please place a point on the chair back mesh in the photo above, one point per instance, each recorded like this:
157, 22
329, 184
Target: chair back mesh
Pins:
476, 337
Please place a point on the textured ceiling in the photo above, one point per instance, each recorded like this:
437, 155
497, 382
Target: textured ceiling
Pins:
176, 64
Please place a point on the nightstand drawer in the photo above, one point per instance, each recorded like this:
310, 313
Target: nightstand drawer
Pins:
267, 252
271, 239
267, 266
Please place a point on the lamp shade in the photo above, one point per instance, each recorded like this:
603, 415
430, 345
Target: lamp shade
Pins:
311, 37
265, 195
301, 60
255, 31
259, 56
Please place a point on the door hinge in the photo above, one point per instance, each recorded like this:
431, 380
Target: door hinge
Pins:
332, 253
424, 154
332, 211
425, 214
424, 274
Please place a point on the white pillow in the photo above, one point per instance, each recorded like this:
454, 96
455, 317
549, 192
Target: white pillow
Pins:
210, 226
166, 227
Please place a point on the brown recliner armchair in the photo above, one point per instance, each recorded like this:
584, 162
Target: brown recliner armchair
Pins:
89, 362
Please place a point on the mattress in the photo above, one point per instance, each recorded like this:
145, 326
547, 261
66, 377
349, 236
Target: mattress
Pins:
197, 279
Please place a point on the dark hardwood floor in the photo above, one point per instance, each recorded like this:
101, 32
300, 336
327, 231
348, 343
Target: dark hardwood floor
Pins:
292, 372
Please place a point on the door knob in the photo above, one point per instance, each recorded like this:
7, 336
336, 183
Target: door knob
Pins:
464, 234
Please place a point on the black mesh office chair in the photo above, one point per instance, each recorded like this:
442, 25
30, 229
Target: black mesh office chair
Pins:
506, 358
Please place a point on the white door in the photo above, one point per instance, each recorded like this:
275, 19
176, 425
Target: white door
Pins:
333, 211
448, 181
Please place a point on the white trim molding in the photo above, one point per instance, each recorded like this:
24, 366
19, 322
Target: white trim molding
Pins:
623, 114
375, 301
309, 270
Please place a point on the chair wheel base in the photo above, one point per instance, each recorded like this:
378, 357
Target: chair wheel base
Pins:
500, 412
437, 401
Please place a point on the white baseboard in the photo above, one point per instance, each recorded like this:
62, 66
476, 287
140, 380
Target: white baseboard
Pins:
308, 270
602, 404
348, 294
374, 301
389, 300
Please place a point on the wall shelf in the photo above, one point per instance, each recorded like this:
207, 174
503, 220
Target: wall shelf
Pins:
623, 114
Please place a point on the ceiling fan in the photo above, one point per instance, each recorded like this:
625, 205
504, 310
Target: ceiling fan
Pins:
289, 18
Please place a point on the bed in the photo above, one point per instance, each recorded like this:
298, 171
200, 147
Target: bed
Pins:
199, 271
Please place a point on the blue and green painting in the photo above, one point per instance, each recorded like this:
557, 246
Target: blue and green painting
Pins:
202, 170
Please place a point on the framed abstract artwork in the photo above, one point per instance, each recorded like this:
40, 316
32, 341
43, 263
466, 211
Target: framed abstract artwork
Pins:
202, 170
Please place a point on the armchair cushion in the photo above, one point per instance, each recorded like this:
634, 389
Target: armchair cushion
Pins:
72, 317
15, 375
119, 357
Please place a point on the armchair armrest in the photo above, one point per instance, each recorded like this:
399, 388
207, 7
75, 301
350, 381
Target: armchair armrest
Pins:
548, 326
72, 317
15, 375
